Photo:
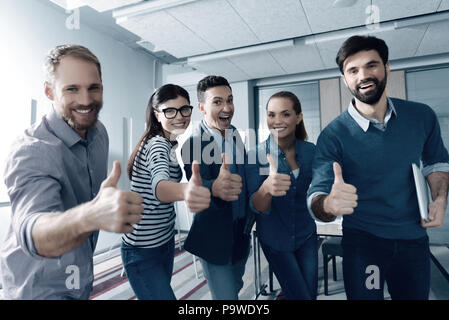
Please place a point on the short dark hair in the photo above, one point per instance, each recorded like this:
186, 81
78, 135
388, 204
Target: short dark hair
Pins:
210, 82
355, 44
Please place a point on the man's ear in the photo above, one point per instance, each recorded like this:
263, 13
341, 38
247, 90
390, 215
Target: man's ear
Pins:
344, 80
387, 68
48, 91
201, 107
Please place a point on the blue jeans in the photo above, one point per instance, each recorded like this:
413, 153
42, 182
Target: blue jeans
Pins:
370, 261
297, 271
224, 281
149, 270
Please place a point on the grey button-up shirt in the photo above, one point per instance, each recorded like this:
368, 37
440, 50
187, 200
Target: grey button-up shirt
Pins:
50, 169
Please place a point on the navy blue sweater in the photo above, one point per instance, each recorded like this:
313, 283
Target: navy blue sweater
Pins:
378, 164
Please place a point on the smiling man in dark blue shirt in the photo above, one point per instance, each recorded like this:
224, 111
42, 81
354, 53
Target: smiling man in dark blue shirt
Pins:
362, 170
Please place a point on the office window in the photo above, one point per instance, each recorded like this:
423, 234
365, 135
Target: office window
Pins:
431, 87
18, 114
308, 94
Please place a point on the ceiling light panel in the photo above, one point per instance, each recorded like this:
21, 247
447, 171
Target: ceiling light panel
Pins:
69, 4
106, 5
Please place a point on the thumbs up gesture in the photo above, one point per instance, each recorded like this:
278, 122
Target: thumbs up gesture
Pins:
113, 209
277, 184
196, 196
228, 185
343, 196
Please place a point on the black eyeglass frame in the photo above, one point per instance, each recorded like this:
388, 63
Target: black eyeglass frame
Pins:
186, 107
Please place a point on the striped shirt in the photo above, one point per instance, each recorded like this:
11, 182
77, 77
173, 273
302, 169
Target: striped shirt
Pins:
155, 161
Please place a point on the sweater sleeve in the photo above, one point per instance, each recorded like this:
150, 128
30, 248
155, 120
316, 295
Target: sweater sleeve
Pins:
434, 151
328, 151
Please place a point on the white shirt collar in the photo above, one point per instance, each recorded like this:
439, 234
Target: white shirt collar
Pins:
364, 122
217, 135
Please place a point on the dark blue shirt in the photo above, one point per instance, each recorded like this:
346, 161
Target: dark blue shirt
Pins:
378, 163
287, 224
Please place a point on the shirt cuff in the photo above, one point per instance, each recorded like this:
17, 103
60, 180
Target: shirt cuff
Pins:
439, 166
309, 203
26, 235
254, 209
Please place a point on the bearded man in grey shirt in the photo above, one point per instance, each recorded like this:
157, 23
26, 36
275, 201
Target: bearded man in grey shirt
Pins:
60, 196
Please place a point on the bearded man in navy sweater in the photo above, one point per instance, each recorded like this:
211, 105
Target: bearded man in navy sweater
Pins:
362, 170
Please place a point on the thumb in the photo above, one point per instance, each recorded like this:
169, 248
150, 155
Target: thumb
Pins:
273, 167
224, 162
196, 176
338, 176
114, 176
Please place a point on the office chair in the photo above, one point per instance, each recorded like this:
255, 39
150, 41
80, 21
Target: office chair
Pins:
331, 248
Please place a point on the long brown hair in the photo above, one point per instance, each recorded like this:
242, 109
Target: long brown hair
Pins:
153, 126
300, 131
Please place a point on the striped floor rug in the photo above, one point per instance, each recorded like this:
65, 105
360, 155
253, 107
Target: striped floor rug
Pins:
188, 283
111, 284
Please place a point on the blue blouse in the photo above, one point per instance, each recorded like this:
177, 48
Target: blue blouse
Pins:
287, 223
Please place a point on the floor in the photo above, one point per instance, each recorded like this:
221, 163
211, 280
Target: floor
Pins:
189, 283
110, 282
439, 287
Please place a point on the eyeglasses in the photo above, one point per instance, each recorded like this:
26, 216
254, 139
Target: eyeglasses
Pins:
171, 113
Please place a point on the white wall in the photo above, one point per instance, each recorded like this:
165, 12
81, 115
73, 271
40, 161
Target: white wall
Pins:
29, 29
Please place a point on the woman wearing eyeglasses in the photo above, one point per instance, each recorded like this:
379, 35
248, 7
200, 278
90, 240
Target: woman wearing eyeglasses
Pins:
148, 251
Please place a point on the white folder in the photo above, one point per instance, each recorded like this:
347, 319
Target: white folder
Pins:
422, 191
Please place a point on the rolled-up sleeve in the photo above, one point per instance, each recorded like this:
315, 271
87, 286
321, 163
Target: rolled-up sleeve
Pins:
437, 167
158, 162
33, 190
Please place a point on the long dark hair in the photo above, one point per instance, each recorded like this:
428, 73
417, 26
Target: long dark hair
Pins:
153, 126
300, 131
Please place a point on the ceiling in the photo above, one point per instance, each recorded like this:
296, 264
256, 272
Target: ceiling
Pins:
243, 39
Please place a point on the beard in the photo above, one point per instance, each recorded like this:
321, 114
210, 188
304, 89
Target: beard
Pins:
72, 121
373, 96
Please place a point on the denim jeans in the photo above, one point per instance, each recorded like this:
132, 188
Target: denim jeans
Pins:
296, 271
149, 270
370, 261
224, 281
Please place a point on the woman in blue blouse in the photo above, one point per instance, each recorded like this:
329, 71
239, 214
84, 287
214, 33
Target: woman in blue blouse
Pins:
279, 174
